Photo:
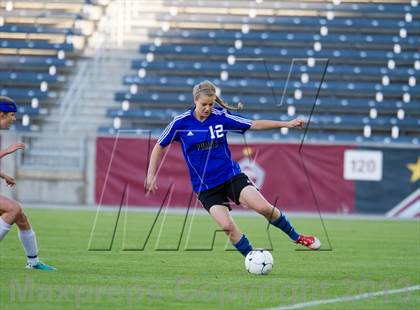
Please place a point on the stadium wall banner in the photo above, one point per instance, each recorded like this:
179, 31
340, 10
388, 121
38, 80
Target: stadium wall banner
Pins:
398, 187
334, 178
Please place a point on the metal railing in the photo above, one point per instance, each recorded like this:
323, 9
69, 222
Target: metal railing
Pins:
73, 96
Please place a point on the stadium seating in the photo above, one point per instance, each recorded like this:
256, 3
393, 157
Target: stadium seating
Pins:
251, 51
39, 45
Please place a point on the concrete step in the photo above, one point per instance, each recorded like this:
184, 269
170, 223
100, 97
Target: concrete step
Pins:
120, 63
133, 41
150, 23
88, 119
100, 95
51, 126
107, 87
97, 100
99, 104
92, 112
124, 50
87, 129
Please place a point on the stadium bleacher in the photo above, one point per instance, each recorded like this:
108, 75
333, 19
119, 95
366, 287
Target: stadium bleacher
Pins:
253, 49
40, 43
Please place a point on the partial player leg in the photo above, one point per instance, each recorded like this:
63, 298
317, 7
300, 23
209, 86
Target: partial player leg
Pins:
253, 199
9, 211
28, 238
225, 221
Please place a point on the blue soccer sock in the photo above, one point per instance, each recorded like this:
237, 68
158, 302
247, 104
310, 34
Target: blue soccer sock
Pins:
243, 245
284, 224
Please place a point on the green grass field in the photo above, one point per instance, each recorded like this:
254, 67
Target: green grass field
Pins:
366, 256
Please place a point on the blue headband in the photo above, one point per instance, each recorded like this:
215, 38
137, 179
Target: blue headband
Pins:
8, 106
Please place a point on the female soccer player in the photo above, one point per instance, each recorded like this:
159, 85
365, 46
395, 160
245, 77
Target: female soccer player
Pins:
10, 211
215, 177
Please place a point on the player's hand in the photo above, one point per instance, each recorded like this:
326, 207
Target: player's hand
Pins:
297, 122
150, 185
14, 147
9, 180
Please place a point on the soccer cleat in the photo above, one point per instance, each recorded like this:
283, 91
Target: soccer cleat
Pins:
40, 266
311, 242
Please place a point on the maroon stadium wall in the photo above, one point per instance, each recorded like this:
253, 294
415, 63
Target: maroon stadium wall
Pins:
298, 181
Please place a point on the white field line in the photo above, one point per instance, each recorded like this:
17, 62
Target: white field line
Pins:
347, 298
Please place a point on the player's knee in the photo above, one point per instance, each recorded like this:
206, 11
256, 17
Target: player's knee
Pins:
16, 210
21, 219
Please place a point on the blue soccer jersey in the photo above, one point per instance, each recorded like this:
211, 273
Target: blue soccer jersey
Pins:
204, 145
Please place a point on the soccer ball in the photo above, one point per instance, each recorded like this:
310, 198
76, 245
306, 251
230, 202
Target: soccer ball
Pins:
259, 261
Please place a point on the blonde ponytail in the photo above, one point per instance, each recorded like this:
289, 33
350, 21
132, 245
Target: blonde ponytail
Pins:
208, 88
225, 105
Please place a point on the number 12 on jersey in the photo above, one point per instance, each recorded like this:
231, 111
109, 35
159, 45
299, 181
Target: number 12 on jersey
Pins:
216, 132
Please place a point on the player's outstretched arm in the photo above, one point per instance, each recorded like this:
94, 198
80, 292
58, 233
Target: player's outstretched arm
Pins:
12, 148
268, 124
150, 184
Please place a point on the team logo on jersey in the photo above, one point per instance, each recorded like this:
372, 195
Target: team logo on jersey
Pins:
207, 145
190, 133
251, 168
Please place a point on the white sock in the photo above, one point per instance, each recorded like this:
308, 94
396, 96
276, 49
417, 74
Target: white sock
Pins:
4, 228
28, 239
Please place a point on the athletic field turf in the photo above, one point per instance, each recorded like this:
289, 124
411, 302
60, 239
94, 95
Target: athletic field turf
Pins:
366, 256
